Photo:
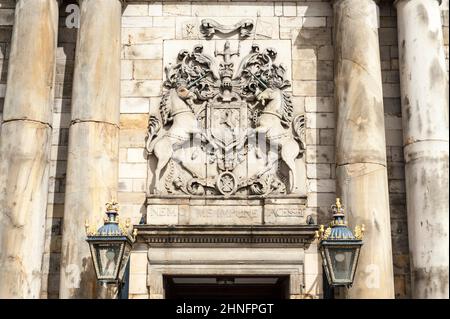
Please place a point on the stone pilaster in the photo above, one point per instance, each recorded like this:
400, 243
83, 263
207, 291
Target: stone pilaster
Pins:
92, 172
424, 95
360, 142
25, 147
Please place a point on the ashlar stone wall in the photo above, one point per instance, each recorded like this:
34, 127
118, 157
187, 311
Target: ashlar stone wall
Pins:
145, 27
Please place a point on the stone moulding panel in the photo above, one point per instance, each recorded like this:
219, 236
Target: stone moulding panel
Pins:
212, 256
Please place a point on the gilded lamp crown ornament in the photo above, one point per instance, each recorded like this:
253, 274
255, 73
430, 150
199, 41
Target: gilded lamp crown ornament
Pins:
112, 206
339, 247
338, 227
112, 225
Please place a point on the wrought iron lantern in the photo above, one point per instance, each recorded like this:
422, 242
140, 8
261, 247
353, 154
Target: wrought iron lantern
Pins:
110, 246
340, 248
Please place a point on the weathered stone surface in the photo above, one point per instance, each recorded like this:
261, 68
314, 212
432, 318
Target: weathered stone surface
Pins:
91, 179
92, 172
25, 147
24, 174
96, 92
137, 22
134, 105
136, 10
360, 143
146, 35
40, 75
141, 88
424, 94
148, 69
357, 83
363, 187
142, 51
246, 9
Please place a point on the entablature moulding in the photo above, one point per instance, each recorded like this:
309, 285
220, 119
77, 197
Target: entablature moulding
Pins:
226, 236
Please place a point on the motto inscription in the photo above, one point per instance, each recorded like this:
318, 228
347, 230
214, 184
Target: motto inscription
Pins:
288, 212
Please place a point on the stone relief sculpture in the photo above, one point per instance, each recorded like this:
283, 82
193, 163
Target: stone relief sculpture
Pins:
226, 132
208, 27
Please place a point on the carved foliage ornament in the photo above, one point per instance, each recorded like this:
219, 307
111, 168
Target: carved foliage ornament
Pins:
223, 131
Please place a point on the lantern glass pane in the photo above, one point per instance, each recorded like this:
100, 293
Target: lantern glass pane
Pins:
126, 256
108, 259
342, 262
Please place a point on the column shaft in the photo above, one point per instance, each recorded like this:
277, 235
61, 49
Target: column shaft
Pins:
25, 147
92, 172
424, 94
360, 143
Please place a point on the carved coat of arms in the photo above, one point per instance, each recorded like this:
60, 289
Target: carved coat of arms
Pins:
225, 130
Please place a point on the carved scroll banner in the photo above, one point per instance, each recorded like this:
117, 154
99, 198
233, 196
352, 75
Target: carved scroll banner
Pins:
208, 27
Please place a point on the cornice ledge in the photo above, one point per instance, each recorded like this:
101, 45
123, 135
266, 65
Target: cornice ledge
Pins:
226, 235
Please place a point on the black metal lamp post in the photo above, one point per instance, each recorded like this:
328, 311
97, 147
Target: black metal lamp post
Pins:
110, 247
340, 248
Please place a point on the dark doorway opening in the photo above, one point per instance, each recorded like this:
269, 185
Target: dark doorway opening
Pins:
226, 287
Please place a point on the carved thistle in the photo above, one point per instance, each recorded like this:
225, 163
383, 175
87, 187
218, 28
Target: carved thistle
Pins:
226, 131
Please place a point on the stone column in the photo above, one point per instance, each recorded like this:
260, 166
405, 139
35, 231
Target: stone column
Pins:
92, 172
424, 94
25, 147
360, 143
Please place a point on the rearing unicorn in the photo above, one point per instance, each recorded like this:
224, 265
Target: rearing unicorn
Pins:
174, 109
275, 122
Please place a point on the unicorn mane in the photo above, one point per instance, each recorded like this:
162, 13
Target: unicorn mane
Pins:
165, 108
287, 109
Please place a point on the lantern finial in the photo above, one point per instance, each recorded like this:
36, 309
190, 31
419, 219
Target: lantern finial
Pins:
112, 206
338, 203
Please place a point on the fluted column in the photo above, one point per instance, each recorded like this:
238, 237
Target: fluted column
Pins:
360, 143
424, 94
92, 172
25, 147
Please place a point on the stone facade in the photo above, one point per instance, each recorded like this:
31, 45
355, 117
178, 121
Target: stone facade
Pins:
152, 33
